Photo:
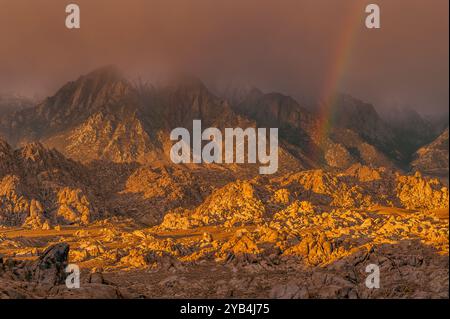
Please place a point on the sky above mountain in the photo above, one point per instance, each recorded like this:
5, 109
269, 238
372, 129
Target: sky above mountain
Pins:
302, 48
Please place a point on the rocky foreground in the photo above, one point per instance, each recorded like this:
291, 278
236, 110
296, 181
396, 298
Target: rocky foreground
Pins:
408, 270
166, 231
305, 235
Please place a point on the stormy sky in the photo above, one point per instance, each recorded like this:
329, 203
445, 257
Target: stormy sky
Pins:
290, 46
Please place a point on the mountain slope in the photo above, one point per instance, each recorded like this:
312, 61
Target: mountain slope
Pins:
101, 116
433, 158
70, 106
411, 130
40, 187
350, 139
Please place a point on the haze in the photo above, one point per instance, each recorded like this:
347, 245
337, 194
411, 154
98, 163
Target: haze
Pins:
288, 46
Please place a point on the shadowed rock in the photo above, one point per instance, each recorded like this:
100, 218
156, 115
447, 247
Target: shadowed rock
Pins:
49, 268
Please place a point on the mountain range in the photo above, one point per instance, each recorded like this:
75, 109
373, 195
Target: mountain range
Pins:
103, 116
100, 147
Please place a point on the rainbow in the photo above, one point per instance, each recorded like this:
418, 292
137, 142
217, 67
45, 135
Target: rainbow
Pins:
341, 56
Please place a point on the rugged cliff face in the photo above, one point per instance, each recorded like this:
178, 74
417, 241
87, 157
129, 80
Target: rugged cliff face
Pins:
354, 132
40, 187
433, 158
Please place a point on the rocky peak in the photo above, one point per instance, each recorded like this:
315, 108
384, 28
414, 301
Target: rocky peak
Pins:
33, 151
271, 106
178, 102
36, 163
36, 154
107, 73
72, 104
78, 99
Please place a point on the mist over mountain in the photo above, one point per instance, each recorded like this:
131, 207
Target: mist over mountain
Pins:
433, 157
104, 116
13, 102
291, 48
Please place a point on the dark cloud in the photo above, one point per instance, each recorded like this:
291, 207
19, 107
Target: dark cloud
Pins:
284, 45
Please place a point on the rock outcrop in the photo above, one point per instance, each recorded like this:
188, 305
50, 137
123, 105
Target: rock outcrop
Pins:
433, 158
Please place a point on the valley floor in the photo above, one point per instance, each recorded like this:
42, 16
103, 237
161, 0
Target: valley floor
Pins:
121, 260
